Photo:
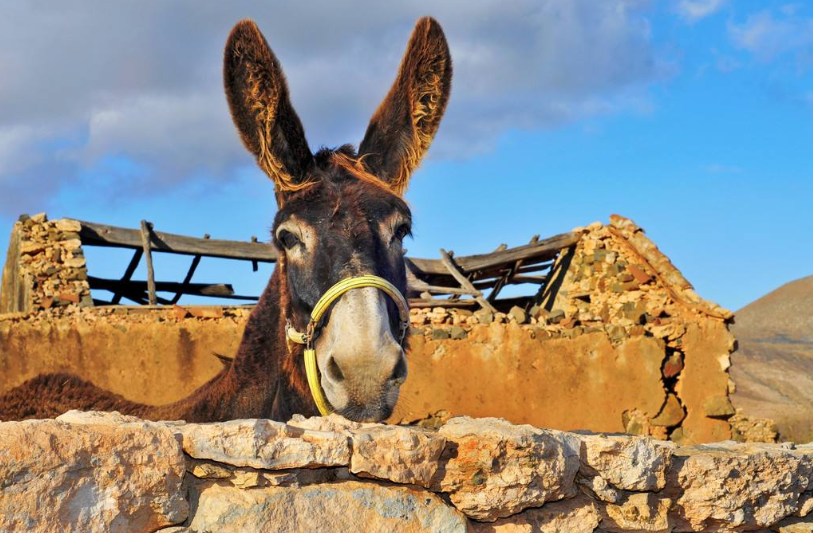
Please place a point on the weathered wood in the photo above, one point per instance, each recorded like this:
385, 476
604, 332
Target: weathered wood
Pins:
191, 272
418, 286
506, 278
134, 286
112, 236
104, 235
419, 303
128, 273
543, 250
187, 279
254, 265
450, 265
12, 290
146, 237
515, 280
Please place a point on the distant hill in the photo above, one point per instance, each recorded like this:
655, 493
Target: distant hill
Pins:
773, 366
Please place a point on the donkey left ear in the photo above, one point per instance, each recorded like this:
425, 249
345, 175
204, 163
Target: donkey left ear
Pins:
405, 123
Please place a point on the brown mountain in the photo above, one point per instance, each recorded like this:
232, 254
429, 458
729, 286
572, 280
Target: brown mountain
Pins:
773, 365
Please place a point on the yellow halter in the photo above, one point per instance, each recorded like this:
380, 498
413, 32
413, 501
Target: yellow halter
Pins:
324, 303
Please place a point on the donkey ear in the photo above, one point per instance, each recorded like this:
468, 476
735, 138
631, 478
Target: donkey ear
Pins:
261, 110
406, 121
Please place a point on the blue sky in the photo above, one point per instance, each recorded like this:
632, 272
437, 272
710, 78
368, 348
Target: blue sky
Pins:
693, 118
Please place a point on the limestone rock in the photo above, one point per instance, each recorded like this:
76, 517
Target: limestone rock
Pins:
106, 474
67, 224
346, 506
395, 453
493, 469
627, 463
752, 429
731, 486
576, 515
671, 413
794, 525
718, 406
264, 444
640, 512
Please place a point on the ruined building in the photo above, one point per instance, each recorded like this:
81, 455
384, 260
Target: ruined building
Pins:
610, 338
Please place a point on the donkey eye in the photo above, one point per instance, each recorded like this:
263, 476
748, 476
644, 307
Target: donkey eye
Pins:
288, 239
402, 231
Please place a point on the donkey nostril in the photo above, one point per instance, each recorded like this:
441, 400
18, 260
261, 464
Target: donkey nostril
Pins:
399, 373
334, 372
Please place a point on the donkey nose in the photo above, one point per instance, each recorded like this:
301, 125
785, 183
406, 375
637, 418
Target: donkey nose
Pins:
399, 373
334, 373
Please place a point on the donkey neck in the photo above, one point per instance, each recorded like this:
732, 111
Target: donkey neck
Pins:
265, 380
269, 372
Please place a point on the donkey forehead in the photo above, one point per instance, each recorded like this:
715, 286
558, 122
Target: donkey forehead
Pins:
344, 204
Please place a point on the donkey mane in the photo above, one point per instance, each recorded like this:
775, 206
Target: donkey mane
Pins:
340, 215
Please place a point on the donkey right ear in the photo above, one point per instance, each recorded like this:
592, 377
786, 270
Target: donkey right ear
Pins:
261, 110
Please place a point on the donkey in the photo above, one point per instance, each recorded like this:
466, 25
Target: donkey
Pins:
340, 214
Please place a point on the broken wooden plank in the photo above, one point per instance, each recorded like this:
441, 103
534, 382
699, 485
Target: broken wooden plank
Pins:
191, 272
112, 236
128, 273
506, 278
418, 286
450, 265
544, 250
135, 286
420, 303
146, 230
516, 280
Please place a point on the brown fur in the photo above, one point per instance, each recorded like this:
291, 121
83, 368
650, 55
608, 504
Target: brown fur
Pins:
343, 194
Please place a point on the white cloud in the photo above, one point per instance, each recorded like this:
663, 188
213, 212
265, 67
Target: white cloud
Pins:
694, 10
142, 80
767, 37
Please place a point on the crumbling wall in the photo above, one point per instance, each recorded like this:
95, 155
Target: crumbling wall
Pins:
45, 266
89, 472
618, 342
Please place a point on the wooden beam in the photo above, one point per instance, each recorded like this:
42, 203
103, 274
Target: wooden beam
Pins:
543, 250
187, 279
111, 236
506, 278
146, 230
461, 279
128, 273
515, 280
418, 303
135, 286
189, 274
418, 286
103, 235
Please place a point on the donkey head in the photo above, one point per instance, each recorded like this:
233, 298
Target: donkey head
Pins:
341, 213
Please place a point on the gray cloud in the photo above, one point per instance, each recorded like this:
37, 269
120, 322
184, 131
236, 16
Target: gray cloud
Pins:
84, 82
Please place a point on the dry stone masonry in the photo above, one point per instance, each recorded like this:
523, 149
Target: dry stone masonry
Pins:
89, 472
46, 266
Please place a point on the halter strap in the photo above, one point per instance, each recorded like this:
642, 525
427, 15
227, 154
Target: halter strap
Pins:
319, 310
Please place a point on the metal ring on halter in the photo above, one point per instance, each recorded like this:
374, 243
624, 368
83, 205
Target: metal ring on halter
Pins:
321, 307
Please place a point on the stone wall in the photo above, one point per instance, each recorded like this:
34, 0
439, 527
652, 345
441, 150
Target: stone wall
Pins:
45, 266
88, 472
619, 341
